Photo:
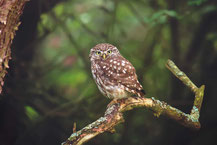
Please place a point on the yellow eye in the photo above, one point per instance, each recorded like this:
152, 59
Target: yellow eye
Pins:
98, 52
109, 51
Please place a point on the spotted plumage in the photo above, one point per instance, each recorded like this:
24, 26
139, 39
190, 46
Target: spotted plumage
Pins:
114, 75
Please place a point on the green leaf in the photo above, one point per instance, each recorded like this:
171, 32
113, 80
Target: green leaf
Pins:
59, 9
196, 2
161, 16
31, 113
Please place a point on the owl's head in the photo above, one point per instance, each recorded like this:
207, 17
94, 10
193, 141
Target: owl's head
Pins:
103, 51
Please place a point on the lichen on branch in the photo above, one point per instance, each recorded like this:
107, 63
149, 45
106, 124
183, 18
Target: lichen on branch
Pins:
114, 112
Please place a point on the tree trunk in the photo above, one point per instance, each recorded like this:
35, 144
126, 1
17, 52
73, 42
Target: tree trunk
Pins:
10, 11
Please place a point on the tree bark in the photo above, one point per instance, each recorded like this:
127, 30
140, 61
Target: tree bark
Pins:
10, 12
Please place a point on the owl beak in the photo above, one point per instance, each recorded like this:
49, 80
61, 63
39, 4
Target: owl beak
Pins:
104, 56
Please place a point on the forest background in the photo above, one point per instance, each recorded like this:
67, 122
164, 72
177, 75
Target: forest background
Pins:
49, 84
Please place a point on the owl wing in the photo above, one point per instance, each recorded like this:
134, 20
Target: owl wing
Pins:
122, 72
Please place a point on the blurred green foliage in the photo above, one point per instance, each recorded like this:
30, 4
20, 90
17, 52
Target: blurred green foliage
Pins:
31, 113
88, 24
196, 2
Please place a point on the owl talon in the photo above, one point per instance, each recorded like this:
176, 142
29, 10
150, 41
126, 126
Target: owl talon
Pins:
112, 130
114, 101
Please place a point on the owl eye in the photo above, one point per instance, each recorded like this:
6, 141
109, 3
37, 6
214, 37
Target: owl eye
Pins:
98, 52
109, 51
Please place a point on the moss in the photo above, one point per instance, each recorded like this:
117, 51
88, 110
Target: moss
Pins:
73, 136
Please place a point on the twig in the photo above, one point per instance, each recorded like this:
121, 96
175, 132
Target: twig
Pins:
181, 75
114, 113
74, 127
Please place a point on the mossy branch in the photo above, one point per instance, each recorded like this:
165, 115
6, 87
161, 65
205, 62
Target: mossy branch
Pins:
114, 112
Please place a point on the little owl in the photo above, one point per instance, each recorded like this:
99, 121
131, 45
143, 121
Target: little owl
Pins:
114, 75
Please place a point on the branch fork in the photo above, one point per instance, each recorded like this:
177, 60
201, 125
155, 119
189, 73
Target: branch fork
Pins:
114, 112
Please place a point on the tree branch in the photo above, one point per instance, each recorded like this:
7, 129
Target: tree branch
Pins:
114, 112
10, 11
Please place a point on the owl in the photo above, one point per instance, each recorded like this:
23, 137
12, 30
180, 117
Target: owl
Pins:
114, 75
